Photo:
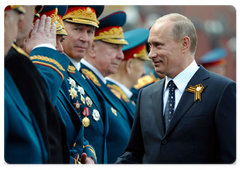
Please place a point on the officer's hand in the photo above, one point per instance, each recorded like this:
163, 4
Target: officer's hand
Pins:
86, 160
42, 33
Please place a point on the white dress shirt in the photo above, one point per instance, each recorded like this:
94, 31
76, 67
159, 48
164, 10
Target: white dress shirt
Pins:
75, 63
124, 88
181, 81
94, 70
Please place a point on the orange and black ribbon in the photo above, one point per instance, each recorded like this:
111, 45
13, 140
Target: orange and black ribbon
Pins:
197, 90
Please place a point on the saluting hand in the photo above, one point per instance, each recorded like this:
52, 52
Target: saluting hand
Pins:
42, 33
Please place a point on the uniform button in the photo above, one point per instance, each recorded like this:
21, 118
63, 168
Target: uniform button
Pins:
164, 142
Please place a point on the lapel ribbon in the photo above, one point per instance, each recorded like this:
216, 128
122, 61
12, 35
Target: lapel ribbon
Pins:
197, 90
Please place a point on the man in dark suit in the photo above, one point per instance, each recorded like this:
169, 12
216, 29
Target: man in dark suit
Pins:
194, 122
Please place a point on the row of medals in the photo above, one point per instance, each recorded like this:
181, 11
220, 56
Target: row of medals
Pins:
86, 111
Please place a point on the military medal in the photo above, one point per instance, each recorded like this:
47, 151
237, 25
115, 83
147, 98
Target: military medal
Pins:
77, 105
197, 90
114, 111
80, 90
85, 120
89, 101
96, 115
82, 99
72, 82
73, 93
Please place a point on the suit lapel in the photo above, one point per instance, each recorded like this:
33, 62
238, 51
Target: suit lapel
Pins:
187, 99
157, 95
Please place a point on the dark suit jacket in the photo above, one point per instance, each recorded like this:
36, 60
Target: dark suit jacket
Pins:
200, 132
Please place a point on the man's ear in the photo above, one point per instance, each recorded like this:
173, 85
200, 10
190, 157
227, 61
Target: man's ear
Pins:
128, 65
92, 51
185, 43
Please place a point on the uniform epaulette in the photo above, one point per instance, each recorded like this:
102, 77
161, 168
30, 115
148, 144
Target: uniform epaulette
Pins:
91, 76
71, 69
49, 62
144, 81
19, 50
118, 92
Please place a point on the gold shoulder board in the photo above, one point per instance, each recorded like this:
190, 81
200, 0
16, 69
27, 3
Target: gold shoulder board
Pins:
91, 76
143, 81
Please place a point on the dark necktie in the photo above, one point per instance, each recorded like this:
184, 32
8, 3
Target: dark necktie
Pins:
170, 104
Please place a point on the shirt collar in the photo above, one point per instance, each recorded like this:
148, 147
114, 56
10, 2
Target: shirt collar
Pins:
75, 63
182, 79
124, 88
83, 61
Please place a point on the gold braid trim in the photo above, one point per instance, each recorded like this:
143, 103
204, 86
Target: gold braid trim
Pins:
49, 65
91, 149
141, 55
19, 50
115, 41
50, 60
87, 13
143, 81
91, 76
117, 90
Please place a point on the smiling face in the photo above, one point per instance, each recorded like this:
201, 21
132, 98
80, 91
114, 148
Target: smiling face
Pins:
78, 41
166, 53
108, 57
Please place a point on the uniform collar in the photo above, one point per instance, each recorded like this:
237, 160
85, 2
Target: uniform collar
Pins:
94, 70
124, 88
75, 63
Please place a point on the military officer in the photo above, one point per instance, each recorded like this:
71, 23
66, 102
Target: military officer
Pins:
131, 67
22, 141
30, 84
101, 60
79, 148
80, 23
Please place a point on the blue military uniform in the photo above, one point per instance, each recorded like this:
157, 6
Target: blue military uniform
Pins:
23, 142
119, 118
54, 70
136, 49
29, 83
81, 96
